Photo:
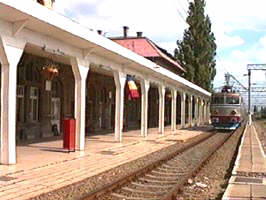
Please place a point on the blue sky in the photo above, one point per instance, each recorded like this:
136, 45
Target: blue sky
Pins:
239, 27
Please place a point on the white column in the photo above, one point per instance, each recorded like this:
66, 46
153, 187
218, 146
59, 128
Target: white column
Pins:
120, 79
145, 85
208, 112
183, 109
200, 111
80, 70
173, 107
196, 111
161, 89
10, 55
204, 112
190, 110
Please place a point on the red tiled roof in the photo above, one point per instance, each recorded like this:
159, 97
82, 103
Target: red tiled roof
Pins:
144, 47
139, 45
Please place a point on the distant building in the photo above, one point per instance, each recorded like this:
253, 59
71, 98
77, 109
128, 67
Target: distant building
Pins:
53, 69
148, 49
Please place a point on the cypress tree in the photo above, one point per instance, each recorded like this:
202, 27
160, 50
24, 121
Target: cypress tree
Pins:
197, 51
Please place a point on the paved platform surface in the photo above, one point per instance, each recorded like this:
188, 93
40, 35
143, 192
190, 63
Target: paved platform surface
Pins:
250, 161
43, 167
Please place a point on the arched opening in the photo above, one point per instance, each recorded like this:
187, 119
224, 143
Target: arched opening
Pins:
100, 102
186, 109
168, 108
132, 109
42, 103
153, 107
178, 108
193, 108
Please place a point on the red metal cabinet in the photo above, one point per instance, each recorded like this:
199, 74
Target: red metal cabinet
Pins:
69, 134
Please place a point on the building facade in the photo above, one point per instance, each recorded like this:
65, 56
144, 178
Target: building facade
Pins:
53, 68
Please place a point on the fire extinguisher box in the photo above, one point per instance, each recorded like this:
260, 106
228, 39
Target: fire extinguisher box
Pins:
69, 134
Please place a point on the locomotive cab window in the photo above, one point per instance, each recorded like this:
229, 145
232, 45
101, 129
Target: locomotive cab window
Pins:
232, 100
218, 100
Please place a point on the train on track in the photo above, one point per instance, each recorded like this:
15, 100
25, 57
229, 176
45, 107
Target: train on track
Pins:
227, 110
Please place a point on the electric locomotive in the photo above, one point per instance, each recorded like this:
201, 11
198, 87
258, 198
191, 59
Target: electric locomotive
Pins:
226, 110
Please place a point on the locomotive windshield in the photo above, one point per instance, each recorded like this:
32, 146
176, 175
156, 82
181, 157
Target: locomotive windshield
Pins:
218, 100
225, 99
232, 100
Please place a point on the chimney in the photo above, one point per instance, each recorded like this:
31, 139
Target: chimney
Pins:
99, 32
139, 34
125, 28
46, 3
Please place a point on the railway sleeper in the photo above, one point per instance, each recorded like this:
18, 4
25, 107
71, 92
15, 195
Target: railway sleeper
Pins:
170, 170
144, 192
165, 173
124, 197
180, 160
174, 163
169, 166
139, 184
161, 178
147, 180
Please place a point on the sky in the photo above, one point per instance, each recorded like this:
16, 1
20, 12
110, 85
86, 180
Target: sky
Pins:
239, 27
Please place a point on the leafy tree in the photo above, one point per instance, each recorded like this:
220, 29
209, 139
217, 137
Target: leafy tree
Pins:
197, 51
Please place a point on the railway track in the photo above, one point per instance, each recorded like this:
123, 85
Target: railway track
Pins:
165, 179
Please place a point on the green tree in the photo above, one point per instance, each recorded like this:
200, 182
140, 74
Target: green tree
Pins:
197, 51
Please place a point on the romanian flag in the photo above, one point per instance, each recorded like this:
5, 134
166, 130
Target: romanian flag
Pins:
133, 90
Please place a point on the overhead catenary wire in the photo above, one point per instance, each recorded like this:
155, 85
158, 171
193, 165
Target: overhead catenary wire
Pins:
180, 13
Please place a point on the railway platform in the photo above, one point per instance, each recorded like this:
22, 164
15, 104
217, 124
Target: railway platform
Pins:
248, 180
44, 167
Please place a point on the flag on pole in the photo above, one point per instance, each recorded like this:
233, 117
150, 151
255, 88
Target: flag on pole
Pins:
133, 90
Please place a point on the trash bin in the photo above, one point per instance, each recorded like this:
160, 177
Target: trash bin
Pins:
69, 134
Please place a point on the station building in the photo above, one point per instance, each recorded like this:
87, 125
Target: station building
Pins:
54, 69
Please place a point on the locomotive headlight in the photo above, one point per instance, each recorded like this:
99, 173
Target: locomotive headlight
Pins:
215, 112
233, 112
215, 120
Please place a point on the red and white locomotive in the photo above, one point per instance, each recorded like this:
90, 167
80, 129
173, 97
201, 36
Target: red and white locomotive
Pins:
226, 110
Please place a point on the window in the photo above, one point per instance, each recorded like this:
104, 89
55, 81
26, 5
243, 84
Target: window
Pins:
218, 100
232, 100
20, 103
34, 104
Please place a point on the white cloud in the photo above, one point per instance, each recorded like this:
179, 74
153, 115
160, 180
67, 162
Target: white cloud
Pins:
227, 41
169, 46
236, 63
162, 22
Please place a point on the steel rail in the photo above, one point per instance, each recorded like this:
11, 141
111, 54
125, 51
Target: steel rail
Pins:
128, 178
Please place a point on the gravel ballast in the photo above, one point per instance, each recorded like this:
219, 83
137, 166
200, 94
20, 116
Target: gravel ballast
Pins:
211, 181
81, 189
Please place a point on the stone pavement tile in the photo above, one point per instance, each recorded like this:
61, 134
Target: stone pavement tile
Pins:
238, 191
245, 150
246, 158
244, 167
21, 192
258, 191
258, 160
32, 194
258, 198
258, 168
238, 198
